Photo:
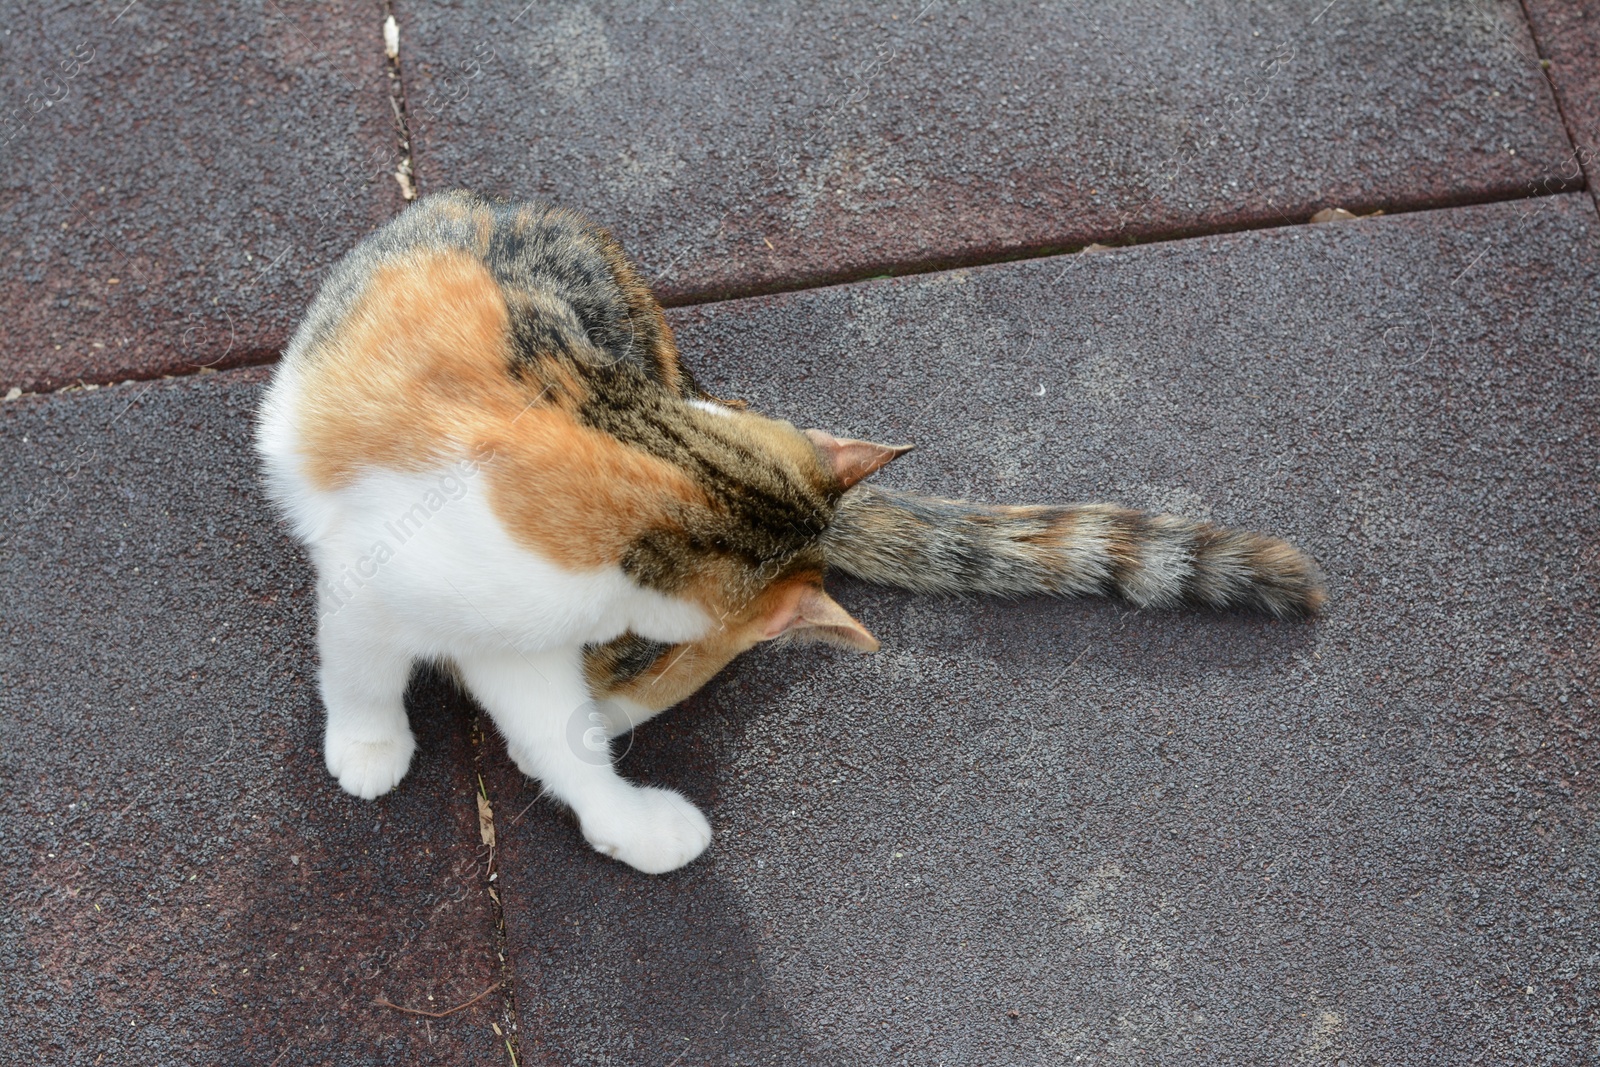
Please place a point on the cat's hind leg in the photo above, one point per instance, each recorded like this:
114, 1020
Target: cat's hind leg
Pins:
555, 733
368, 743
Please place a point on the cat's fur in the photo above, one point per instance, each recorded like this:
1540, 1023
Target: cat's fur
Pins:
483, 434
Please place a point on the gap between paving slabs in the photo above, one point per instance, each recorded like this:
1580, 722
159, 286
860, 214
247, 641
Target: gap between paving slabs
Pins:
1129, 237
1566, 37
481, 732
907, 269
479, 729
405, 170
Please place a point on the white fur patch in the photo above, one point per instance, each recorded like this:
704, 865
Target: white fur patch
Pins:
715, 409
428, 554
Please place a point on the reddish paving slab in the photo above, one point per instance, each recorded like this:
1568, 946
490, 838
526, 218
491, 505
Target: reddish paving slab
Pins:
1045, 831
183, 883
1568, 35
177, 179
750, 149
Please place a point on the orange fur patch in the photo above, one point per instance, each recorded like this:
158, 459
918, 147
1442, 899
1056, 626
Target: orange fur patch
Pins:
682, 670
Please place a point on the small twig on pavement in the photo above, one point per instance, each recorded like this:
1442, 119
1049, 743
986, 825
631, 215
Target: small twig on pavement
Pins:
380, 1002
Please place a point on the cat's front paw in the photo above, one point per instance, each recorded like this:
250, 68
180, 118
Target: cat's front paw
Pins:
655, 831
369, 769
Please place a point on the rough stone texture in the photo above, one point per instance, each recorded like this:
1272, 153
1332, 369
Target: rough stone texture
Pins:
183, 883
1568, 33
176, 180
739, 150
1043, 831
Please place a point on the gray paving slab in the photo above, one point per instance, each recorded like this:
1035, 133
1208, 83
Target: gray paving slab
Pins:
1052, 832
176, 178
182, 882
740, 149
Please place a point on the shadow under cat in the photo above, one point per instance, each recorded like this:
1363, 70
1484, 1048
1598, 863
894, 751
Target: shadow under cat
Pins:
678, 968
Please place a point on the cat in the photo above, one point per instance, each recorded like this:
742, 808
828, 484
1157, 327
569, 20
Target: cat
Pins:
483, 434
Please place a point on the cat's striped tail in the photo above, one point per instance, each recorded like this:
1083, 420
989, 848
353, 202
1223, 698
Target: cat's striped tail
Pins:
929, 545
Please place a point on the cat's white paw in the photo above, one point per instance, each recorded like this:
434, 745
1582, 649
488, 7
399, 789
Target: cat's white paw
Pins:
654, 830
369, 769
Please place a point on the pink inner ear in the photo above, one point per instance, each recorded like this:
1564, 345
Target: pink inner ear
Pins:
853, 460
805, 610
785, 615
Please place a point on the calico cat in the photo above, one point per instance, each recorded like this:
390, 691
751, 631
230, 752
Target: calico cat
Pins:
484, 436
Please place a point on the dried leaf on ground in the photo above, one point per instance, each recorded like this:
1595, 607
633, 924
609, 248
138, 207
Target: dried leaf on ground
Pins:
485, 820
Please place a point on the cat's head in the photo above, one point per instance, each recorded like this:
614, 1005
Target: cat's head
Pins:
751, 549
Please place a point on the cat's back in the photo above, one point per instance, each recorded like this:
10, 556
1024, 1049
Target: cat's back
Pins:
565, 281
459, 312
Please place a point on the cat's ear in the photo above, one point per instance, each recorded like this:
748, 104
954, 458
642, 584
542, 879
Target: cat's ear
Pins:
806, 612
853, 460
